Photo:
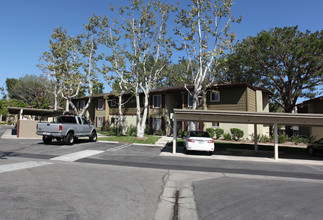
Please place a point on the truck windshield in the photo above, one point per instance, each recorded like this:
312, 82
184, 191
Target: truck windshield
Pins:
65, 119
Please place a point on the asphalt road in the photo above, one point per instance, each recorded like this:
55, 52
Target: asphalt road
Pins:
123, 181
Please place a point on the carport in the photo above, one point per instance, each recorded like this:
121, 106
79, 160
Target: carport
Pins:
268, 118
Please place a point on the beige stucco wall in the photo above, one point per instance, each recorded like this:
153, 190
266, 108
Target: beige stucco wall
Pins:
27, 129
317, 132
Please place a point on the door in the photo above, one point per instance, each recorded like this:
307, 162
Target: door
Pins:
85, 127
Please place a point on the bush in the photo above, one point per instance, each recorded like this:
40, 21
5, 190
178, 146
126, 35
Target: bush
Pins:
236, 133
282, 138
211, 132
182, 133
227, 137
264, 139
219, 132
132, 131
158, 133
311, 139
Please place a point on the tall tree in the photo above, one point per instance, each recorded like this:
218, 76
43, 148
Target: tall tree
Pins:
205, 32
72, 63
285, 60
143, 28
115, 72
31, 89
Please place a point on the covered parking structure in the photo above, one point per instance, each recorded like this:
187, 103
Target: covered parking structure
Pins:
268, 118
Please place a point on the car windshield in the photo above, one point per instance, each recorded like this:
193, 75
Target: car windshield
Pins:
199, 134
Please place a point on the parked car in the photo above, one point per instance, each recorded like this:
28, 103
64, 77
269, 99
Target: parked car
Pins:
198, 141
316, 147
68, 128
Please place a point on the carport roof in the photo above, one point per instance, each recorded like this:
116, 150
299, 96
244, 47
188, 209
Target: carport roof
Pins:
33, 111
249, 117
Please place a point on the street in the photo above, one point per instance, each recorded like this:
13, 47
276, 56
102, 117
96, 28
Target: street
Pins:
125, 181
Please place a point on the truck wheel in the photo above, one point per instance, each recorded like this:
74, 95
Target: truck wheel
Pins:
69, 139
93, 137
47, 139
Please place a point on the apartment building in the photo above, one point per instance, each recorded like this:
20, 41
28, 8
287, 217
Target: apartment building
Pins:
103, 110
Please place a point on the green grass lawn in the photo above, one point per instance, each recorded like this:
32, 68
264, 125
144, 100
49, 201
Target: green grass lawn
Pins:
151, 139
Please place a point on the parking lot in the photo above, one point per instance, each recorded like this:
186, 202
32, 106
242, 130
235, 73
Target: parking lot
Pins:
126, 181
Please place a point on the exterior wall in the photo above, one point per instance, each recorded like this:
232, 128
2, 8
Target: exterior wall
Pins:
231, 99
240, 98
262, 106
312, 106
27, 128
253, 100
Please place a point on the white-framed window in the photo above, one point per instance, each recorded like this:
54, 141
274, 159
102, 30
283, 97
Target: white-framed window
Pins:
100, 104
157, 101
99, 122
215, 96
113, 103
190, 100
157, 124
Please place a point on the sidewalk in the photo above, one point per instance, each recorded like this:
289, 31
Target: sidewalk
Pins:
163, 141
7, 135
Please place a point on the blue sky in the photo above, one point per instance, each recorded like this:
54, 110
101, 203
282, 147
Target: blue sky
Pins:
26, 25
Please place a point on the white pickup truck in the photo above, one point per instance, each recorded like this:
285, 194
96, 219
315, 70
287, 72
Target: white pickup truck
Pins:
67, 128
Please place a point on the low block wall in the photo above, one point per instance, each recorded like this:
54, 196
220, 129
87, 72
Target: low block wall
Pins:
27, 129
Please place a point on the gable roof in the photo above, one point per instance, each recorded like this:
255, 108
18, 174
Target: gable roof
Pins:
213, 85
182, 88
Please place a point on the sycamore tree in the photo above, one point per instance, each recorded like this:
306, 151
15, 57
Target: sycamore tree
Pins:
204, 31
63, 64
72, 63
285, 61
115, 70
143, 30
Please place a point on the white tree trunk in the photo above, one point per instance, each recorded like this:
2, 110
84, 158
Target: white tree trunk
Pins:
140, 131
67, 108
121, 117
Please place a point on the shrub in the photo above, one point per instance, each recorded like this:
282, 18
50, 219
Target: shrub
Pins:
182, 133
282, 138
236, 133
311, 139
132, 131
219, 132
158, 133
211, 132
265, 139
227, 137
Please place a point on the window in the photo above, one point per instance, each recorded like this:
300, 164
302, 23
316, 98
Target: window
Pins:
113, 120
82, 104
99, 122
113, 103
67, 119
157, 101
215, 96
190, 100
100, 104
215, 124
157, 124
85, 122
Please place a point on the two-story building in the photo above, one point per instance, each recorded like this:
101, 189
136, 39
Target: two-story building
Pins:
313, 106
162, 102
